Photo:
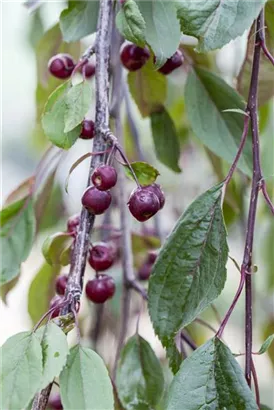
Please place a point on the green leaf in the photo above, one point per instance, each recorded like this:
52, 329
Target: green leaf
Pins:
266, 345
162, 28
165, 139
17, 236
41, 291
79, 19
53, 119
54, 350
215, 23
84, 382
78, 100
56, 247
74, 166
131, 23
210, 379
148, 88
21, 370
266, 79
140, 380
206, 96
145, 173
263, 407
190, 271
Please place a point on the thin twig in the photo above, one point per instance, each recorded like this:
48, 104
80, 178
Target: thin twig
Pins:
263, 42
188, 340
256, 383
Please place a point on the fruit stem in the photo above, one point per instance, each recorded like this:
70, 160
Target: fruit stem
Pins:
120, 150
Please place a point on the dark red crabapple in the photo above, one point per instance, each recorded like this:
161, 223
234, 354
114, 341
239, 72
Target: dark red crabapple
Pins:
101, 256
143, 203
100, 289
72, 223
104, 177
55, 301
172, 63
87, 131
145, 271
61, 65
96, 201
133, 57
157, 191
61, 284
55, 402
88, 70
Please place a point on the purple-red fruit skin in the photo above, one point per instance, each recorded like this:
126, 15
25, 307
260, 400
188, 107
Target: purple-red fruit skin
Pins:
61, 284
55, 402
145, 271
143, 204
158, 191
133, 57
73, 223
172, 63
56, 301
151, 257
87, 131
104, 177
88, 70
101, 257
100, 289
96, 201
61, 66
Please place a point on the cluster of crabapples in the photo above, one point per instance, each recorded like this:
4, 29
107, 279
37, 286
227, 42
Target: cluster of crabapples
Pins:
143, 203
102, 256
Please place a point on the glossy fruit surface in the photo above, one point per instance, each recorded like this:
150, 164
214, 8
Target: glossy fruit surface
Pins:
87, 131
100, 289
61, 66
96, 201
88, 70
101, 256
145, 271
157, 191
73, 223
104, 177
61, 284
143, 204
172, 63
133, 57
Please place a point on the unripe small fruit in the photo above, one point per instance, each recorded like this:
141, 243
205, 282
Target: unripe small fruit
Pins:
55, 402
88, 70
143, 203
133, 57
100, 289
157, 191
87, 132
61, 66
96, 201
101, 256
55, 302
172, 63
73, 223
61, 284
104, 177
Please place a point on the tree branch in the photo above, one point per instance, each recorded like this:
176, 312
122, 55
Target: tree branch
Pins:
81, 245
102, 47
